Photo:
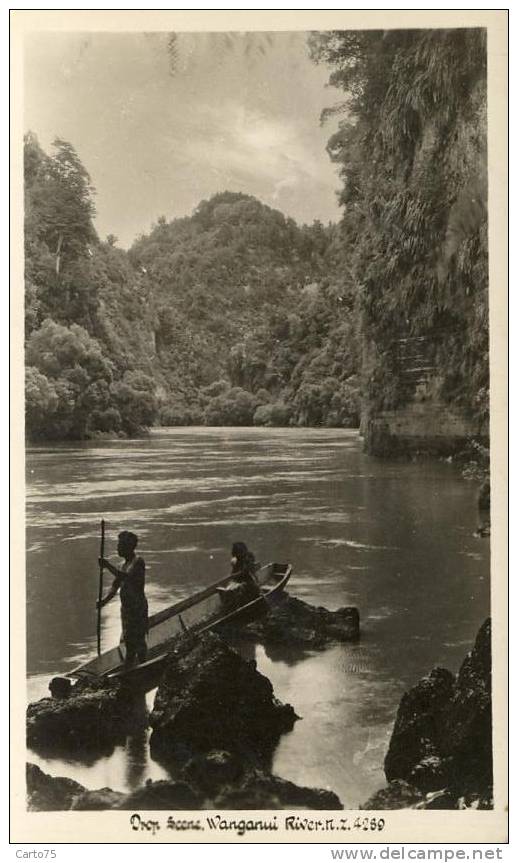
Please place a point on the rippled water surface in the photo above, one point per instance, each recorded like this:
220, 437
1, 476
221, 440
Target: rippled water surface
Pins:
396, 539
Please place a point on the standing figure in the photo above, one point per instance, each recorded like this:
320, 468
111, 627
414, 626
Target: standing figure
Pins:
130, 578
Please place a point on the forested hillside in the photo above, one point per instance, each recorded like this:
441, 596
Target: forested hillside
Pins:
234, 315
411, 146
87, 311
254, 321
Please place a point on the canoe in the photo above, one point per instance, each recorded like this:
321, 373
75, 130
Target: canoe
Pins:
199, 613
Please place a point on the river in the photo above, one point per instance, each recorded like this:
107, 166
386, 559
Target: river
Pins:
394, 538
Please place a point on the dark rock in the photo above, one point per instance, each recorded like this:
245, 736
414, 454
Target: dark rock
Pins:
261, 790
213, 770
467, 732
210, 698
229, 782
441, 744
484, 495
162, 795
50, 793
92, 717
418, 725
476, 801
103, 798
431, 773
439, 800
295, 622
397, 795
226, 785
60, 687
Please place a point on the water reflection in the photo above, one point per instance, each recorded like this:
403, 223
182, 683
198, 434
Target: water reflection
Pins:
137, 757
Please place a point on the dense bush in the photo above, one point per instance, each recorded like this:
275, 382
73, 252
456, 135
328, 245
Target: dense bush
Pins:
235, 407
411, 146
272, 414
84, 311
71, 391
246, 299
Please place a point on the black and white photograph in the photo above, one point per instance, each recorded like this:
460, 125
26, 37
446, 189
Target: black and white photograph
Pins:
260, 587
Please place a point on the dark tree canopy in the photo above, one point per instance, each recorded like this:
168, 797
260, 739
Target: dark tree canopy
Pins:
78, 366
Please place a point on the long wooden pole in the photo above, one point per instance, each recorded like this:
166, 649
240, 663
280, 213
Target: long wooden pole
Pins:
101, 555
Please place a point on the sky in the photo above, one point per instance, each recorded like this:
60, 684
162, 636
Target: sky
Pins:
159, 129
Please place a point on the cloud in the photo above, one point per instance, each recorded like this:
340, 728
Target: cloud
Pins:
239, 114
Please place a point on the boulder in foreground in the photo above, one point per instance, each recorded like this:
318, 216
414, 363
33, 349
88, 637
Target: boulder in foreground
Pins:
441, 745
92, 718
252, 788
208, 698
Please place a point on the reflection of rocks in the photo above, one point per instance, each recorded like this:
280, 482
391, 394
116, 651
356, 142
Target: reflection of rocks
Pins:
209, 697
93, 718
218, 781
441, 745
296, 623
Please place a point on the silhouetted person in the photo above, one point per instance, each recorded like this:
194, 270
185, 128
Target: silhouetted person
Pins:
130, 578
243, 587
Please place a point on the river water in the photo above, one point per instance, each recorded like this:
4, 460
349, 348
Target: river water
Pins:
395, 539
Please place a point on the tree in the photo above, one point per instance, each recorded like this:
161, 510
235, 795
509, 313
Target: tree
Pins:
233, 408
61, 193
135, 399
67, 366
41, 402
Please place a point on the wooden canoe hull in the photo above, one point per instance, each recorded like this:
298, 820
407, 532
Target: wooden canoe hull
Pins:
203, 612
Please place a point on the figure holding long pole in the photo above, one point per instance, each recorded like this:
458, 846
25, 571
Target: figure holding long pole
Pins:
130, 578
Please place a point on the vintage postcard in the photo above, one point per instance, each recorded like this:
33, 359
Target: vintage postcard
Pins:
259, 327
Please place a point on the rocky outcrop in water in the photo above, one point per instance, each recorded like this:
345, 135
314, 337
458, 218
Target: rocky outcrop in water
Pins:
92, 717
296, 623
209, 697
219, 782
441, 745
397, 795
231, 782
49, 793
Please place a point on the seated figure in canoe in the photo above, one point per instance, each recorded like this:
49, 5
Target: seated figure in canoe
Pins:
243, 588
130, 578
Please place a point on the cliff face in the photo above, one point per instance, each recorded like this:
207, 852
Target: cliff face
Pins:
412, 154
427, 427
440, 753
